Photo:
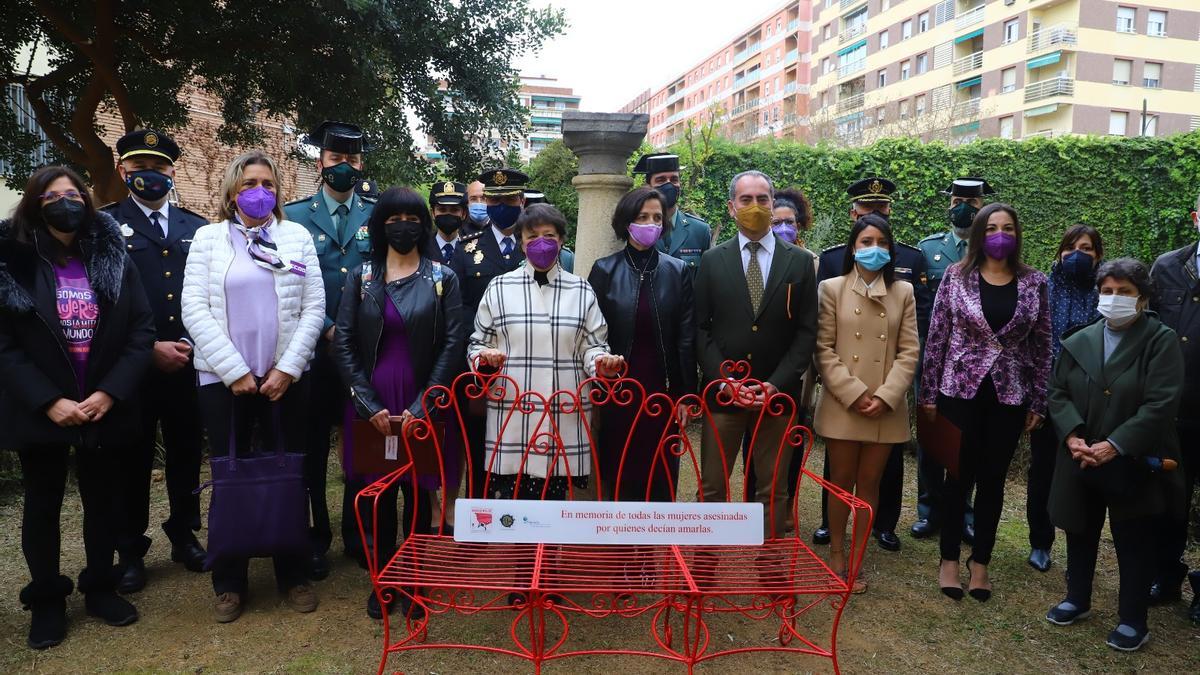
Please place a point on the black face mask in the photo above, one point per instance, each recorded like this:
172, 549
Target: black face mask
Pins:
962, 215
64, 215
670, 194
448, 223
403, 235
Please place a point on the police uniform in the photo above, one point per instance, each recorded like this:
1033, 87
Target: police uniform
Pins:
167, 398
340, 248
446, 193
941, 250
690, 236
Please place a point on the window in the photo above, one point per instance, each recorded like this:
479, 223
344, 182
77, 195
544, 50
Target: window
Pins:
920, 105
887, 4
904, 109
922, 63
1121, 71
906, 30
1006, 127
1156, 23
825, 65
1008, 80
883, 40
1149, 125
1125, 18
923, 22
767, 89
883, 78
1117, 123
905, 70
881, 114
1012, 31
1152, 75
825, 32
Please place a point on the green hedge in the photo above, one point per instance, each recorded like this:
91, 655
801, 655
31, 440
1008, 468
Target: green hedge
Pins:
1137, 191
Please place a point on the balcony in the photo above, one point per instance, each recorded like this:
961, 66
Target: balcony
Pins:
847, 69
850, 103
546, 112
968, 63
747, 53
745, 134
1048, 133
747, 106
1055, 86
965, 110
847, 4
1053, 37
969, 18
739, 82
793, 25
790, 88
851, 33
791, 56
676, 96
790, 120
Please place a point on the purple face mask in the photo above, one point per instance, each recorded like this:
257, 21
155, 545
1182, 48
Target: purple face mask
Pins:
256, 202
785, 232
999, 245
542, 253
646, 235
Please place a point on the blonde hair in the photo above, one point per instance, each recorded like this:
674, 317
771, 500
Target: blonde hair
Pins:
231, 183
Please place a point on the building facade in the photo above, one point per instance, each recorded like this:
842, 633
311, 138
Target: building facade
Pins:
962, 69
756, 85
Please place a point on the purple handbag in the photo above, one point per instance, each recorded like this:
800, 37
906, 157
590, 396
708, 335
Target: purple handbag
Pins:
259, 506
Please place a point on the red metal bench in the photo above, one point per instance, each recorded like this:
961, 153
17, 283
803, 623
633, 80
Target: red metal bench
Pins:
679, 588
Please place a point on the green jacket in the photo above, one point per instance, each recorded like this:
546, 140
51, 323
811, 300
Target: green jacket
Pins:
778, 342
689, 238
337, 255
941, 251
1130, 400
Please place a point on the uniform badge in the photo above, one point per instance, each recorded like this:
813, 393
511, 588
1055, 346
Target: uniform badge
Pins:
499, 178
478, 257
321, 237
313, 206
876, 186
362, 233
447, 188
937, 257
470, 246
366, 186
126, 230
150, 139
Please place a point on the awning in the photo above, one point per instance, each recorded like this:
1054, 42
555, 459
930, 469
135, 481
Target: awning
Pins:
555, 121
857, 45
1043, 60
967, 128
969, 36
1042, 110
969, 83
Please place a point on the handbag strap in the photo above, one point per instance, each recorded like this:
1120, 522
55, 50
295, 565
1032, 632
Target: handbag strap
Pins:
277, 432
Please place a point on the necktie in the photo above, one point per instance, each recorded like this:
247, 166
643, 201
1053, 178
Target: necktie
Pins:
340, 220
447, 253
506, 246
962, 248
754, 277
157, 219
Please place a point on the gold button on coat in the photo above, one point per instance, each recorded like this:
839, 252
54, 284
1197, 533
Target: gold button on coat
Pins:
170, 296
165, 252
754, 328
858, 310
167, 275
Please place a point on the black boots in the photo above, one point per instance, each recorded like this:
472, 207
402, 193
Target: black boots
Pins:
47, 606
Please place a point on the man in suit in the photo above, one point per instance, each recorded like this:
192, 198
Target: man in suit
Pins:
756, 301
689, 236
479, 257
942, 250
874, 195
336, 217
1176, 278
158, 235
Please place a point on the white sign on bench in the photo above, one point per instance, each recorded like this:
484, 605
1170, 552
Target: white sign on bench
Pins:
571, 522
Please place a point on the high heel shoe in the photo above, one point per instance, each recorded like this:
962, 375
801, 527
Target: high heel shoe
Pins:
980, 594
953, 592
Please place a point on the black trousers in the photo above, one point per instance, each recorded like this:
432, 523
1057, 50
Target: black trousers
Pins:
168, 399
1135, 561
1171, 531
475, 425
1043, 446
326, 410
990, 431
242, 419
931, 478
44, 478
417, 504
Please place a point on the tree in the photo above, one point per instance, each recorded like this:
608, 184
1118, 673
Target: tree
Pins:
367, 61
551, 172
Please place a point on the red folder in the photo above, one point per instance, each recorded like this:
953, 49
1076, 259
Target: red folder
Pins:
941, 440
376, 454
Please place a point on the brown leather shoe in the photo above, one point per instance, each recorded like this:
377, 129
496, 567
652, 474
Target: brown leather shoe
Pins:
228, 607
302, 598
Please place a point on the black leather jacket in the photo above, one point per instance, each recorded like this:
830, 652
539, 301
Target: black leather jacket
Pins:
432, 319
617, 286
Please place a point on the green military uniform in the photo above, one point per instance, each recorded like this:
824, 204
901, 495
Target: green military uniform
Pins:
688, 239
941, 250
340, 247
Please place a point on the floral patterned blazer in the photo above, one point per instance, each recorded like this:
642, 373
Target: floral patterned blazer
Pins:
962, 349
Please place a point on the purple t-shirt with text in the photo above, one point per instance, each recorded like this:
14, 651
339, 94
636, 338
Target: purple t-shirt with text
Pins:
77, 314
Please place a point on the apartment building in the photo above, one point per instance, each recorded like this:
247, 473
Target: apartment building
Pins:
962, 69
756, 85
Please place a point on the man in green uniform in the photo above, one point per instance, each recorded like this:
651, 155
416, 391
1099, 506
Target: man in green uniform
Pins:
336, 217
690, 236
942, 250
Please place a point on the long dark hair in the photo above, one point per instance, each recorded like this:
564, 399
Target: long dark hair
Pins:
1073, 234
793, 198
974, 256
396, 201
630, 206
27, 216
880, 223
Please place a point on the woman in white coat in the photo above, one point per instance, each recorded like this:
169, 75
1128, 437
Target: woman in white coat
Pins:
253, 304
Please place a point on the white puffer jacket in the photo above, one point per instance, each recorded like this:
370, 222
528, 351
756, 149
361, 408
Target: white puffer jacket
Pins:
301, 301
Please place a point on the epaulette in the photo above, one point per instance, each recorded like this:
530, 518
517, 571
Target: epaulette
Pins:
109, 206
936, 236
831, 248
472, 236
299, 201
369, 200
190, 212
909, 246
692, 215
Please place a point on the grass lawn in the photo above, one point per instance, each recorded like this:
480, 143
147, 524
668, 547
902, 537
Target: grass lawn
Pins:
902, 624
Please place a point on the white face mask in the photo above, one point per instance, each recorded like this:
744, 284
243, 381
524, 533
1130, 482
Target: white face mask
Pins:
1118, 309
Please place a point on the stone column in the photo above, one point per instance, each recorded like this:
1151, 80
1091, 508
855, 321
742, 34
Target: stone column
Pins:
603, 143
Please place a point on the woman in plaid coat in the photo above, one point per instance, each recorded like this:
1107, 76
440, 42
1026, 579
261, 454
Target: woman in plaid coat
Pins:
542, 327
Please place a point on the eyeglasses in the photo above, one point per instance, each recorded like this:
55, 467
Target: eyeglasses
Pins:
73, 195
783, 221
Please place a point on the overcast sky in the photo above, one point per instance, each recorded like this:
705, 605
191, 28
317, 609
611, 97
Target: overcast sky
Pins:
613, 50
